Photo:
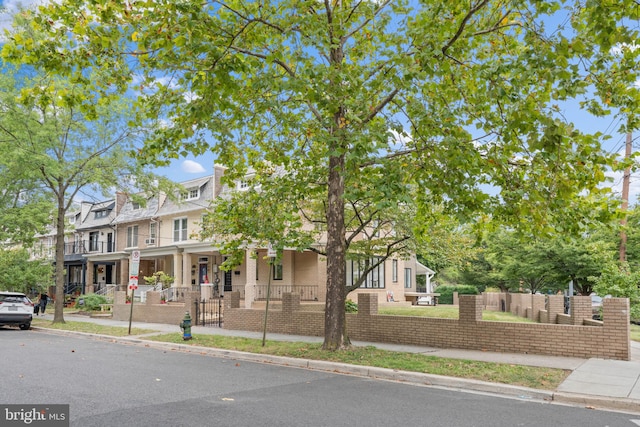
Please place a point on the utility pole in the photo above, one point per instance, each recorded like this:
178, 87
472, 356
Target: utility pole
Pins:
625, 200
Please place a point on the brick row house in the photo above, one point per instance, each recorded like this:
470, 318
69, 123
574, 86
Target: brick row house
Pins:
166, 231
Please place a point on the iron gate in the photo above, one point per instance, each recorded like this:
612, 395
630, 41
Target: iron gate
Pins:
209, 312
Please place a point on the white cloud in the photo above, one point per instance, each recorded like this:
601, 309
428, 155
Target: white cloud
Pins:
189, 166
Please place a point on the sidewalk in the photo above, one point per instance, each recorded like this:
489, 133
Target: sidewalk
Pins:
594, 383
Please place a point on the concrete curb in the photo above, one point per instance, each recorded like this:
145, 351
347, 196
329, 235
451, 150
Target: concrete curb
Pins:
621, 404
416, 378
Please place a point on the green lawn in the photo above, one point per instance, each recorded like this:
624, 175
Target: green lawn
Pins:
635, 333
448, 312
90, 328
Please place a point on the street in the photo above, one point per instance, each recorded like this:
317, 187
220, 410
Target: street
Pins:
108, 384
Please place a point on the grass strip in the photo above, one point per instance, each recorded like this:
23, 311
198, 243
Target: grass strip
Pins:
88, 327
526, 376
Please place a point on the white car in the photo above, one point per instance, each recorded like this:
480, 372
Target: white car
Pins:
15, 309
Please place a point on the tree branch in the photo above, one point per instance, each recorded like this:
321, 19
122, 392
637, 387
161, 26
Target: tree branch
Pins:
463, 24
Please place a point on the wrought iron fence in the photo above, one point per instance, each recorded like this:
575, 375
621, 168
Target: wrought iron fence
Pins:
209, 312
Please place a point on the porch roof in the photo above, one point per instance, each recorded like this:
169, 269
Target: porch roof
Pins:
423, 269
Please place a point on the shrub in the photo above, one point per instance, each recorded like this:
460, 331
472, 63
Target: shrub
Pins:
446, 292
350, 306
91, 302
622, 282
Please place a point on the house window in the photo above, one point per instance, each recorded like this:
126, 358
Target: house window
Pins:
180, 230
190, 194
152, 230
407, 278
243, 185
93, 241
132, 236
101, 214
375, 277
277, 271
135, 206
394, 271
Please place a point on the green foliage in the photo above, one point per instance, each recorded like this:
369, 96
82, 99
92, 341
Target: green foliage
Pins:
620, 281
446, 292
19, 274
159, 277
351, 306
91, 302
511, 261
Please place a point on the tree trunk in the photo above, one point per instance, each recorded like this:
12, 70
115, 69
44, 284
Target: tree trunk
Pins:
58, 315
336, 267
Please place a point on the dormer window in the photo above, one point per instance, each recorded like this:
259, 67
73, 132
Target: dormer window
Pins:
243, 185
101, 214
135, 206
190, 194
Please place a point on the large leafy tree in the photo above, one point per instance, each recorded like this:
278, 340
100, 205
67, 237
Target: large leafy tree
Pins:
20, 274
475, 88
547, 263
61, 151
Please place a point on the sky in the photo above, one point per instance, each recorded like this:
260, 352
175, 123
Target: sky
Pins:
188, 168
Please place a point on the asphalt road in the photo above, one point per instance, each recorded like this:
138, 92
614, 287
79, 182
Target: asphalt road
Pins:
109, 384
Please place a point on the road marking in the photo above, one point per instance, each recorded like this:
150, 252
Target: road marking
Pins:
636, 422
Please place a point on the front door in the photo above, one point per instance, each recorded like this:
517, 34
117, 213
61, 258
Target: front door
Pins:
203, 275
227, 281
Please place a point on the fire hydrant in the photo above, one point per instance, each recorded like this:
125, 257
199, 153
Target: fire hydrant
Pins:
185, 325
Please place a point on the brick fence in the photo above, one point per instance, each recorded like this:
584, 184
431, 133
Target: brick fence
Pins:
574, 337
152, 311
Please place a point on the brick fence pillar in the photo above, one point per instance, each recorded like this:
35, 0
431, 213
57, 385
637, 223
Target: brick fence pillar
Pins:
153, 297
555, 306
367, 304
580, 309
232, 299
121, 297
290, 303
470, 308
615, 316
537, 304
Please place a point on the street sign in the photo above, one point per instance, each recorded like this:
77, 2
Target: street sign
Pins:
271, 252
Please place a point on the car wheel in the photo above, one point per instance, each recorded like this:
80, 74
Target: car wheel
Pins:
25, 326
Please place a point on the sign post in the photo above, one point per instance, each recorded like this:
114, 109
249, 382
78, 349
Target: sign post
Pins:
134, 268
271, 253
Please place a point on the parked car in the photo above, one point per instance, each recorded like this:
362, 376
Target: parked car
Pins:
15, 309
596, 306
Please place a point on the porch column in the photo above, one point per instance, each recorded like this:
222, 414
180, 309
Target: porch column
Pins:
177, 268
250, 286
186, 270
124, 274
89, 282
